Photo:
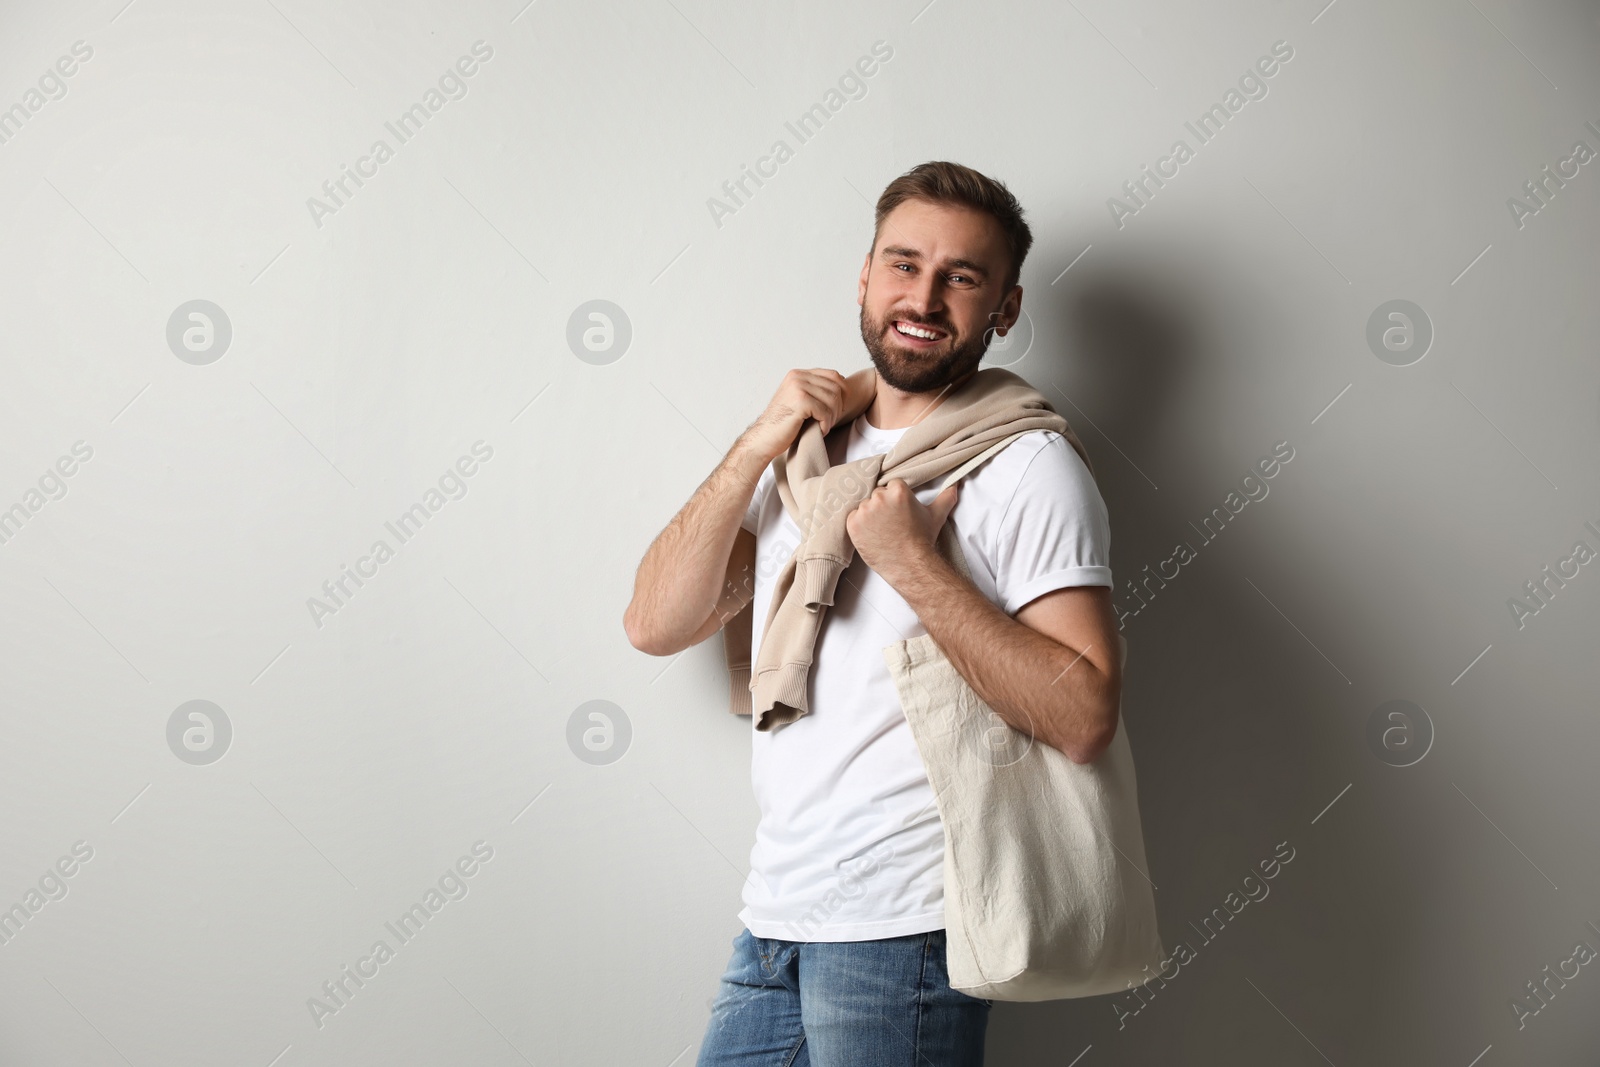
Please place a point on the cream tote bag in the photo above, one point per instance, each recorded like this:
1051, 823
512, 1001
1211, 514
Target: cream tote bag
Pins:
1045, 888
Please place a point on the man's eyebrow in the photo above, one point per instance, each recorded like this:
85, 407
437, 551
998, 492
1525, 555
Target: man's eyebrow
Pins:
949, 264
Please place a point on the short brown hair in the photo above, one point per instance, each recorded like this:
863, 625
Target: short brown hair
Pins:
939, 182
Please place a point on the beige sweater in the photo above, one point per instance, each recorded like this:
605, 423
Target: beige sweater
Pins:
988, 412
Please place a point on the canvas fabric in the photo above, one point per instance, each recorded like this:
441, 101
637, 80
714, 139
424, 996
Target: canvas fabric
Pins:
1046, 891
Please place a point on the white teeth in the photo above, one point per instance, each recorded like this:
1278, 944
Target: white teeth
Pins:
916, 331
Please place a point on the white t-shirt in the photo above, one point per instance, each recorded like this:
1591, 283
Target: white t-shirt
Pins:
849, 846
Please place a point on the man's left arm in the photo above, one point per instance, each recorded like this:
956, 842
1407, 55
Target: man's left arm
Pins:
1054, 672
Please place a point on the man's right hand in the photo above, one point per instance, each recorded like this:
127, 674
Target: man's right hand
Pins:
695, 575
819, 393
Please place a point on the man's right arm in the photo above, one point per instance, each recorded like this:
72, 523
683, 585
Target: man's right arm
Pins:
686, 587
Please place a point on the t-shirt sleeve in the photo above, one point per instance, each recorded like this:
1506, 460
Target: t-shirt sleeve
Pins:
752, 514
1055, 531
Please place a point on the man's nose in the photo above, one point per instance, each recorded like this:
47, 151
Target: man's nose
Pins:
925, 295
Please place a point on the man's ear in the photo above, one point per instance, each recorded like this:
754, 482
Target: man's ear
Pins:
861, 285
1010, 310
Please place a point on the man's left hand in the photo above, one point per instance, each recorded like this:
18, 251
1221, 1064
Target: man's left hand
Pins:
894, 532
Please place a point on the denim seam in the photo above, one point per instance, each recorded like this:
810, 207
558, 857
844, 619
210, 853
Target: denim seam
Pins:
922, 997
777, 972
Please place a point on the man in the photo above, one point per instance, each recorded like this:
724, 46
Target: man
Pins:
842, 958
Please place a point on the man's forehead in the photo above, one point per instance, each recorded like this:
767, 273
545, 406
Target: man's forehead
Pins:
951, 234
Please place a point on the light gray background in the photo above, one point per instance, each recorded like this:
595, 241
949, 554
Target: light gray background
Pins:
431, 312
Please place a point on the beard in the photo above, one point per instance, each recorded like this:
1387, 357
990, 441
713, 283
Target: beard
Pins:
920, 371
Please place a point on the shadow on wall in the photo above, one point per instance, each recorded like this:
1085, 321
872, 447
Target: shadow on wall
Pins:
1238, 738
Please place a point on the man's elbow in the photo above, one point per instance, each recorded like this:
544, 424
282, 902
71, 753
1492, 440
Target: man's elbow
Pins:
1094, 745
639, 636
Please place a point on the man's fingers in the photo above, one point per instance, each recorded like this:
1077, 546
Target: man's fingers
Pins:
827, 396
816, 405
826, 382
823, 394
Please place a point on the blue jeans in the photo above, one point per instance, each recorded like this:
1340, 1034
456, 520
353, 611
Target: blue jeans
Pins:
881, 1003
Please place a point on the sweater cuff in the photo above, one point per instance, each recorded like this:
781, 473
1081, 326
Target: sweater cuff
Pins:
780, 695
818, 578
739, 691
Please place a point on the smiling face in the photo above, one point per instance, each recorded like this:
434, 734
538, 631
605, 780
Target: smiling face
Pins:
930, 292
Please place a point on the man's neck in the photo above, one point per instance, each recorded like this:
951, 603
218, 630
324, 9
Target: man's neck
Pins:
892, 409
